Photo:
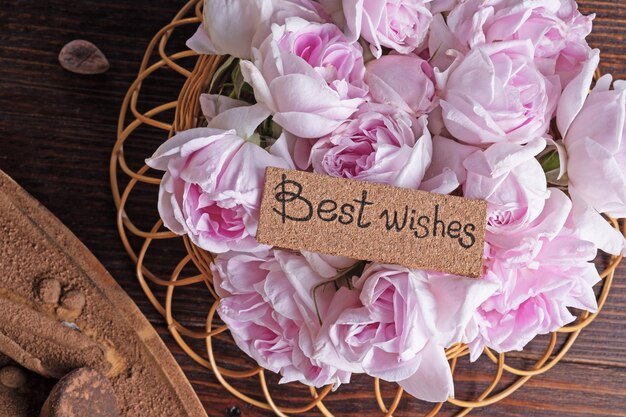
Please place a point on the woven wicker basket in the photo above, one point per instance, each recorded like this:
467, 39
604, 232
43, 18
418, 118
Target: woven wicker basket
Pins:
250, 383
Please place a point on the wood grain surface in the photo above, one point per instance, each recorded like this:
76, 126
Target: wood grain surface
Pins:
57, 130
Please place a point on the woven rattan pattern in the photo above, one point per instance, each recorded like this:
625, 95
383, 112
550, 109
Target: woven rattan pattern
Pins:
124, 182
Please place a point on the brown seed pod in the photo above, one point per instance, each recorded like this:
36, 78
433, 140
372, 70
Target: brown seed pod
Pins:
83, 57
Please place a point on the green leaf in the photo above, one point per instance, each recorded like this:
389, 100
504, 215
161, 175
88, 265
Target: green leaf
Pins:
550, 162
247, 88
277, 130
553, 178
238, 81
221, 70
255, 139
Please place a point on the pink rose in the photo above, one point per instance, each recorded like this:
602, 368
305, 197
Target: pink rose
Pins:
401, 25
309, 75
555, 27
512, 181
506, 175
405, 81
379, 144
399, 325
213, 180
544, 271
234, 27
496, 94
594, 137
267, 303
593, 127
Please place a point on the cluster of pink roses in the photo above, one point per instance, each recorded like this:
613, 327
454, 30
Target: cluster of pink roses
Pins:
438, 95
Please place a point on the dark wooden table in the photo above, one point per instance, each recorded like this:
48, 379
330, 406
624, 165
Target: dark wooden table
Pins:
56, 134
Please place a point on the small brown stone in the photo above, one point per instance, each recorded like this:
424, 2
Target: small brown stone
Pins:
49, 290
12, 377
81, 393
73, 301
83, 57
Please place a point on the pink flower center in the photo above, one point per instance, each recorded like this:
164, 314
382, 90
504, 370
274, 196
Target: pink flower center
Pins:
325, 48
213, 218
352, 151
502, 217
351, 159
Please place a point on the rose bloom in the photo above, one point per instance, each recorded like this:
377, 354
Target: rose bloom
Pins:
213, 180
309, 75
512, 181
506, 175
496, 94
405, 81
595, 142
401, 25
544, 271
235, 27
556, 28
593, 128
379, 144
396, 325
267, 303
